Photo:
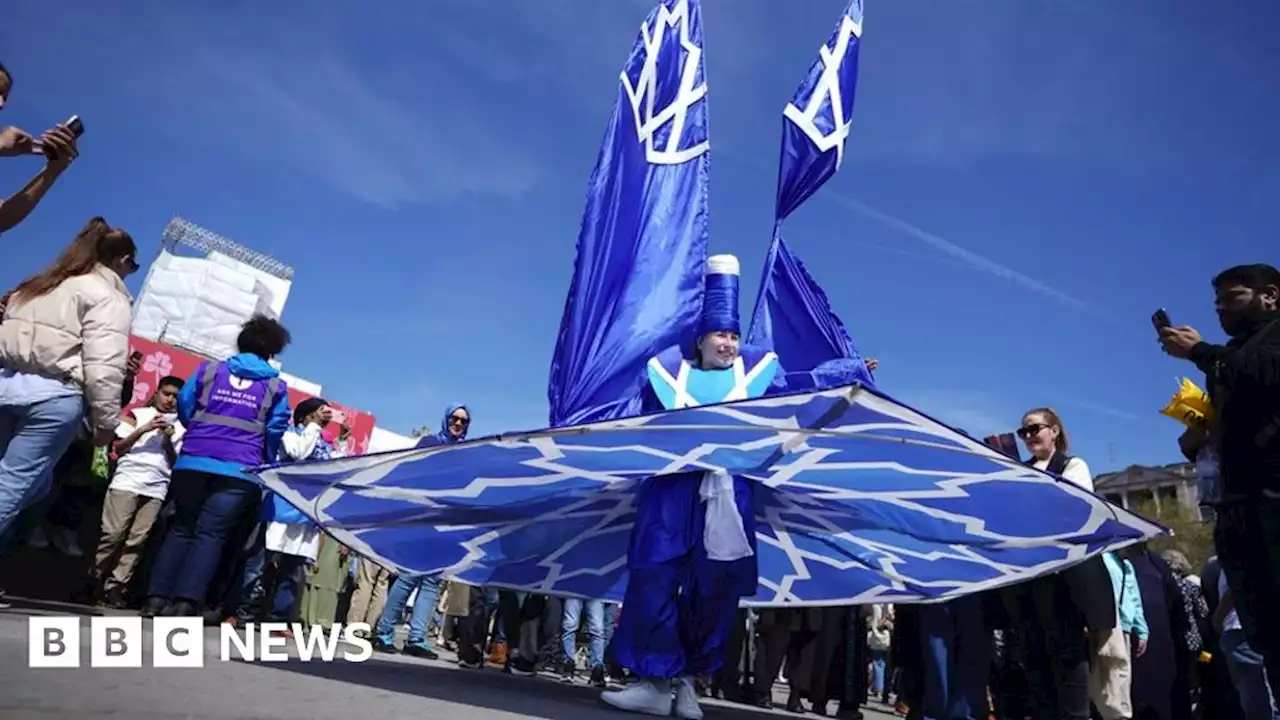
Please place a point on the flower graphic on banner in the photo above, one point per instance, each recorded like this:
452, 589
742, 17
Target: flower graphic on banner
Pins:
158, 364
141, 391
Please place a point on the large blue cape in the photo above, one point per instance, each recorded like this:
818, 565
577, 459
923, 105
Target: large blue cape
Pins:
862, 500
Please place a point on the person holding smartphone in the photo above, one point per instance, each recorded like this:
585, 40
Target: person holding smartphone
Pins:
58, 146
147, 444
1242, 377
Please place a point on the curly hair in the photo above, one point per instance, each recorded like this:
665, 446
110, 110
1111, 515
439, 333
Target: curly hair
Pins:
264, 337
1177, 562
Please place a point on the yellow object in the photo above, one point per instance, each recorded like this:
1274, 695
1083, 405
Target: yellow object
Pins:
1205, 657
1189, 406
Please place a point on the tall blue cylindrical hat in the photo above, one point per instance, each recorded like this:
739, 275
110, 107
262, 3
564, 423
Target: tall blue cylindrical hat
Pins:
720, 296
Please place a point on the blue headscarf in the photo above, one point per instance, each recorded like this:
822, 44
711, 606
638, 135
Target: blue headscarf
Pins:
444, 437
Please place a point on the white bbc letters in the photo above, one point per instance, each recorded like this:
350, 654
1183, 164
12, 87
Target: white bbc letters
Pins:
115, 642
177, 642
53, 642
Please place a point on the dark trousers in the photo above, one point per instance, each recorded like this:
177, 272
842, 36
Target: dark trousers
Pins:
206, 508
777, 641
956, 647
473, 630
905, 647
1247, 537
854, 659
1059, 674
283, 579
514, 610
269, 583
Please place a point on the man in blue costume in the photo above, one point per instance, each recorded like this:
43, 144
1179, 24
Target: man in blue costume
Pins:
692, 553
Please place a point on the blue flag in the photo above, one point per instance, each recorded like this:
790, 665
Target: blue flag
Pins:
816, 123
792, 314
794, 318
637, 281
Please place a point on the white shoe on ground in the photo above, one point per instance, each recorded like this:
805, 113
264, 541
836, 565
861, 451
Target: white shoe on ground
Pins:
686, 704
645, 696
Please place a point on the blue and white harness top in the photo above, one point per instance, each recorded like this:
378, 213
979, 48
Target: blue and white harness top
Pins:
678, 384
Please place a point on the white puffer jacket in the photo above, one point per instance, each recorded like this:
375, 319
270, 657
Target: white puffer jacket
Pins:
79, 332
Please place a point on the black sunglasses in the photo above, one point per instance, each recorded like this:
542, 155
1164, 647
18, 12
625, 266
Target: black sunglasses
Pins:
1029, 431
133, 265
459, 420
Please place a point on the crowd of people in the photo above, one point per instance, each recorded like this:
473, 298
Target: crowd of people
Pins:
184, 530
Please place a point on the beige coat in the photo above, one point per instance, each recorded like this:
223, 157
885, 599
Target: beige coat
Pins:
78, 332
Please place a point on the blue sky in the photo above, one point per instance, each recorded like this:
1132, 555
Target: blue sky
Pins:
1026, 181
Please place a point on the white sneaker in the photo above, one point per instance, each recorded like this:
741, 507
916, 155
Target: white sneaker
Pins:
38, 540
65, 541
645, 696
686, 706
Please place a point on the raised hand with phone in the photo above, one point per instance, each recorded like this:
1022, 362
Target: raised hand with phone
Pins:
59, 144
59, 147
1176, 341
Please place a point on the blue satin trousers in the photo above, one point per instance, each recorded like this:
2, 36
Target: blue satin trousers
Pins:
679, 606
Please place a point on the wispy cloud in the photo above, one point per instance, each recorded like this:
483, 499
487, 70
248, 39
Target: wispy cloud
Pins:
958, 255
299, 94
1151, 419
969, 258
377, 144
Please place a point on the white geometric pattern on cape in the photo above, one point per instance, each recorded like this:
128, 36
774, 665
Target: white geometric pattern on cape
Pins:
861, 499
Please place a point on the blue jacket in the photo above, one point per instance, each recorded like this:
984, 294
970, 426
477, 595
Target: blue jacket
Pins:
245, 365
1124, 582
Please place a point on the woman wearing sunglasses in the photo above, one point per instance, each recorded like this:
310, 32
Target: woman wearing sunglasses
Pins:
1070, 617
64, 345
1046, 440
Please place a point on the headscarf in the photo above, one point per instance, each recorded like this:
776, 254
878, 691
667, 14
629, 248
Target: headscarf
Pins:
444, 435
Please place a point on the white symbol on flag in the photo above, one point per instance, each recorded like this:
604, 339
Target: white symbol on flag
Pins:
827, 91
643, 93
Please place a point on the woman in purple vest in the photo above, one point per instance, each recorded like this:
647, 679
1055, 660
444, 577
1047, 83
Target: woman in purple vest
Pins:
235, 413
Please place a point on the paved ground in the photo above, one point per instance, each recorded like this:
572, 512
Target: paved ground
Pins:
385, 686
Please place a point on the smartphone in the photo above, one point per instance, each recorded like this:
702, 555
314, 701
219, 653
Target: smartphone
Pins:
1160, 319
73, 123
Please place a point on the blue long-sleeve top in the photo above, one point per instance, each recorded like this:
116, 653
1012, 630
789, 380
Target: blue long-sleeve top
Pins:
1124, 582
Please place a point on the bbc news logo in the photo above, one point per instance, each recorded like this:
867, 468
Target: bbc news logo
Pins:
179, 642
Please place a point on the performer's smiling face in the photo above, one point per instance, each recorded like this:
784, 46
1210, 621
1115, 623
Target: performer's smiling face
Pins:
717, 350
